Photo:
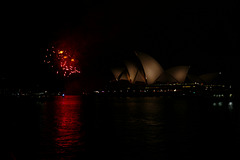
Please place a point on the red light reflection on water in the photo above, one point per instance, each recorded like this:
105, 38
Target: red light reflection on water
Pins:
69, 125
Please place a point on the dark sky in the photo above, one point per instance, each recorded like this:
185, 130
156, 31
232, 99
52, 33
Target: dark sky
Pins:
203, 35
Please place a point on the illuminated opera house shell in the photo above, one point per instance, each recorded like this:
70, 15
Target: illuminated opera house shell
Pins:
148, 71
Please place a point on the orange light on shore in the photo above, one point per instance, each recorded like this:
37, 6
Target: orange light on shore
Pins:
65, 57
72, 60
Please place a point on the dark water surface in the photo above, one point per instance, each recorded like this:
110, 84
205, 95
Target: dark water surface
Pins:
76, 127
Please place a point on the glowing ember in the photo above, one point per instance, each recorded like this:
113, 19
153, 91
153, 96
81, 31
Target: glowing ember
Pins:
62, 61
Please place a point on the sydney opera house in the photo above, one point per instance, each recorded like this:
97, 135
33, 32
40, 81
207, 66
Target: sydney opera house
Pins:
144, 75
146, 70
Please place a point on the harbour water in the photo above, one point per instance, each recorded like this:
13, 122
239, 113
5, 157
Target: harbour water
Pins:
83, 127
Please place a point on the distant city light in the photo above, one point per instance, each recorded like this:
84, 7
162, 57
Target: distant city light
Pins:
220, 104
230, 105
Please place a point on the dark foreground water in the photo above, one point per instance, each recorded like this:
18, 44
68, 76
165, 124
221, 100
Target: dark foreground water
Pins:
163, 128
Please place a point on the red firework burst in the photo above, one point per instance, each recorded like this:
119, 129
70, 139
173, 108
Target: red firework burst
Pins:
63, 61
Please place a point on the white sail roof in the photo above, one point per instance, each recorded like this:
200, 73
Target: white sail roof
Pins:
166, 78
147, 70
132, 71
179, 73
117, 72
152, 68
124, 76
139, 77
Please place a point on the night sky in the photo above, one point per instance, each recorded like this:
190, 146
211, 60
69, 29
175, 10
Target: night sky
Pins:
202, 35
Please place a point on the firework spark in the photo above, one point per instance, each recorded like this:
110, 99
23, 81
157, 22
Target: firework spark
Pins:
63, 61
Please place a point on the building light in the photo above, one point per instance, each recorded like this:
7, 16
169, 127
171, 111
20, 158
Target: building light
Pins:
230, 105
72, 60
220, 104
60, 52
